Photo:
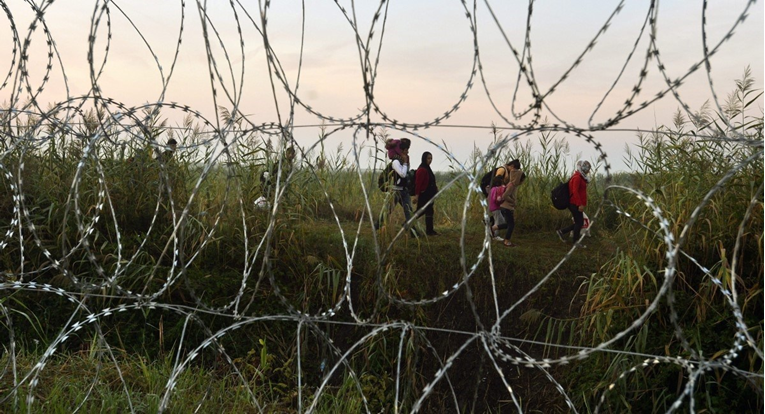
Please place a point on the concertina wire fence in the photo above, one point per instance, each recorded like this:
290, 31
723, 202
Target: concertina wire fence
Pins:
135, 126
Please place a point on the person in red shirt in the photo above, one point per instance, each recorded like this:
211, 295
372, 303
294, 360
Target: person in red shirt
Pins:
577, 190
425, 189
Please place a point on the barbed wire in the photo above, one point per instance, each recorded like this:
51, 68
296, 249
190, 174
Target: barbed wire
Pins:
98, 121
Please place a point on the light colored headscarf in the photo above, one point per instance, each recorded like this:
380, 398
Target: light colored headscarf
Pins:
583, 166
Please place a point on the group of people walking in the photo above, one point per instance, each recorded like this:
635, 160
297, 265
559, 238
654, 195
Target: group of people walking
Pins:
502, 192
425, 187
502, 200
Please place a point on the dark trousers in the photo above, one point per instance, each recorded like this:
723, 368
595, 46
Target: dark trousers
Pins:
398, 197
402, 197
427, 212
509, 224
578, 222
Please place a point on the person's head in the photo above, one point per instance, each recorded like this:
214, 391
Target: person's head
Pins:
403, 145
427, 158
514, 164
497, 181
168, 153
289, 153
583, 166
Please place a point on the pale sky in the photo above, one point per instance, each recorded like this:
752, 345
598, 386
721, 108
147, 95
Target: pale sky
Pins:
425, 61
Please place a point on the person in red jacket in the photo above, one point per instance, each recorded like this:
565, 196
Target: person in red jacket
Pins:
577, 189
425, 189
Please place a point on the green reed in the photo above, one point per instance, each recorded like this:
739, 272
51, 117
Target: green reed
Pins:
676, 166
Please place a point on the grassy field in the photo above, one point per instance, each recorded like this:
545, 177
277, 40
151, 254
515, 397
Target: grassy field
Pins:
186, 295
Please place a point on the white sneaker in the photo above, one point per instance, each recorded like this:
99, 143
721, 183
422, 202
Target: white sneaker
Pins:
497, 238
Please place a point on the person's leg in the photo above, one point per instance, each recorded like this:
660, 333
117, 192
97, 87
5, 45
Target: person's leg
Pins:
406, 203
578, 223
429, 212
499, 220
492, 219
420, 210
389, 202
510, 222
574, 210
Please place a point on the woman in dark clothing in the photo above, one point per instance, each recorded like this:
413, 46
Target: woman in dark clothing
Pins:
577, 189
425, 189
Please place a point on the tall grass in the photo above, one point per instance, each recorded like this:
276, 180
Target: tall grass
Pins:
138, 385
139, 202
679, 168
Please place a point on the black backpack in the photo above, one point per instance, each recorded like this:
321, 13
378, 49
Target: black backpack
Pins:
560, 196
385, 178
411, 181
486, 180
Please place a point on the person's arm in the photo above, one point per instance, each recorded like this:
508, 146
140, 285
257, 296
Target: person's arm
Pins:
421, 179
510, 180
508, 191
399, 168
575, 187
498, 193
